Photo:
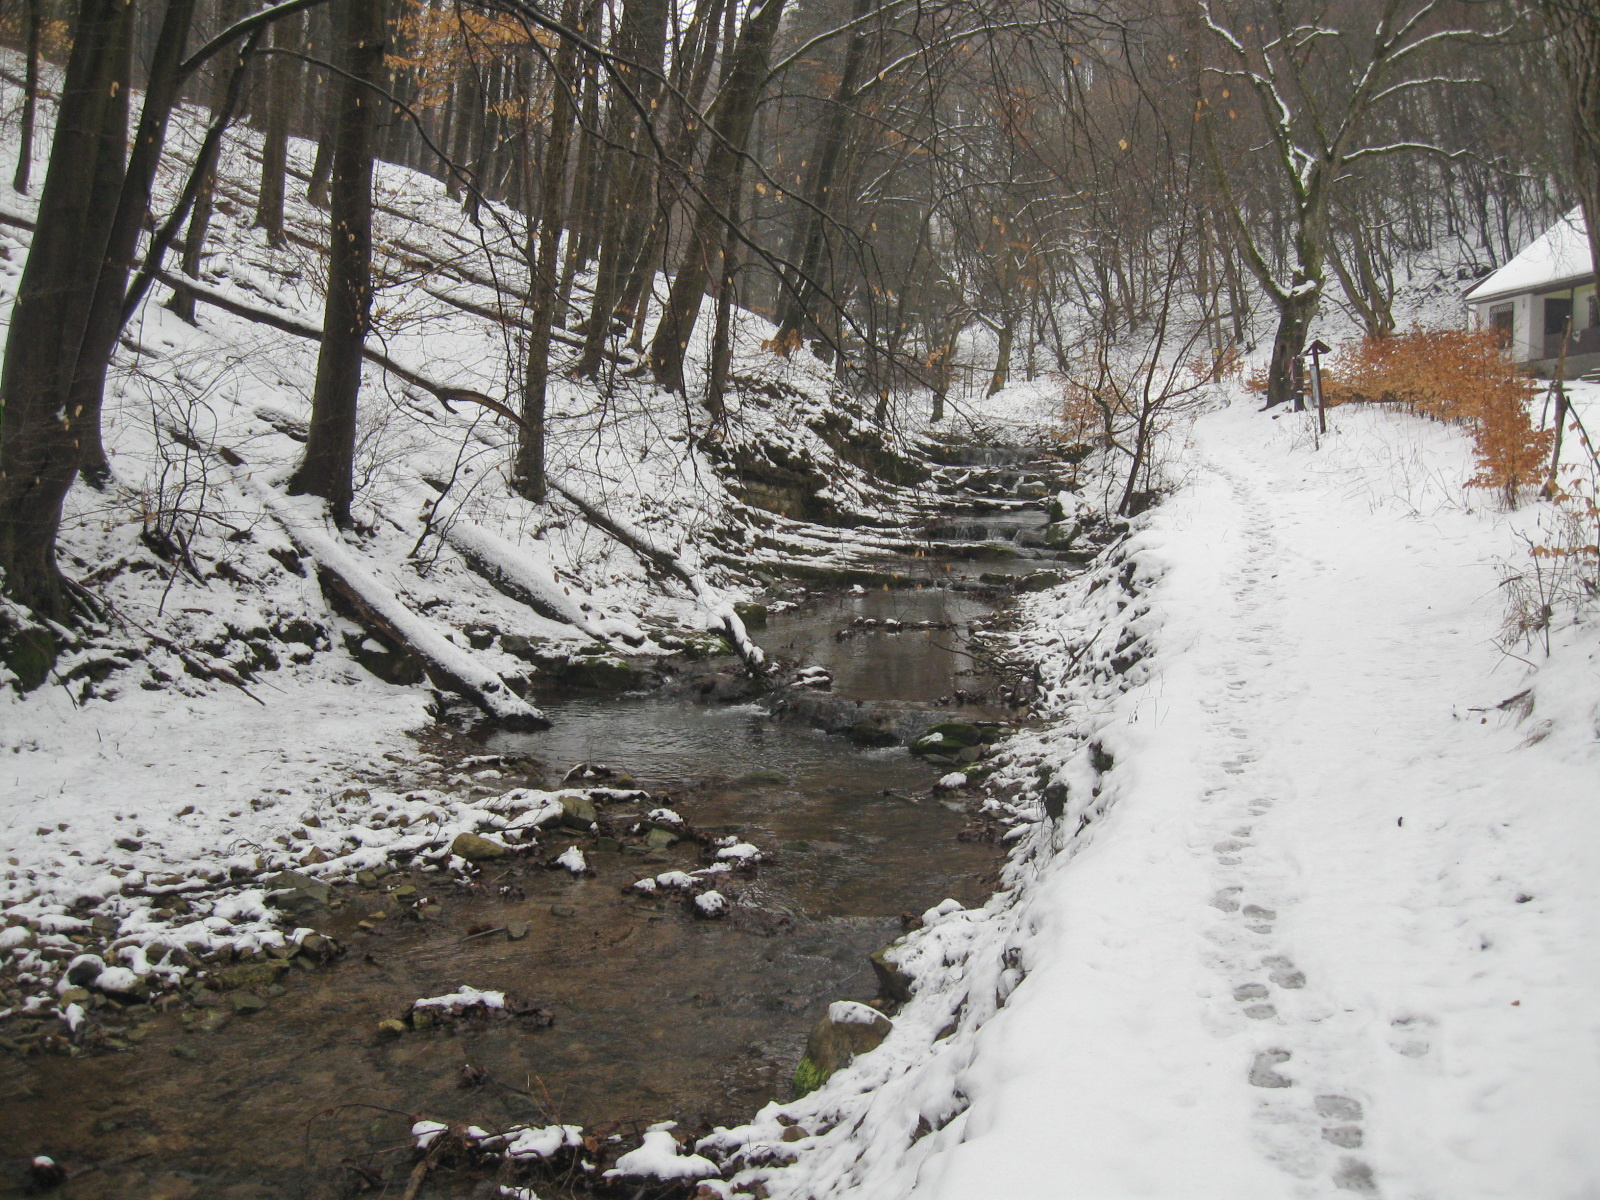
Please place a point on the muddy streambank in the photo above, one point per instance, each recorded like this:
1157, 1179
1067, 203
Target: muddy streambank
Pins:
277, 1078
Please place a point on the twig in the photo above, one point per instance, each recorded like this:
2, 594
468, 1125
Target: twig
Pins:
418, 1174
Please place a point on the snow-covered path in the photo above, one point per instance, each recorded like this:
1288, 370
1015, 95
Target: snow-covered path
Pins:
1337, 933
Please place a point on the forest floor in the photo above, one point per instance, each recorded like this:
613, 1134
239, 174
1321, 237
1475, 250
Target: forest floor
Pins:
1326, 922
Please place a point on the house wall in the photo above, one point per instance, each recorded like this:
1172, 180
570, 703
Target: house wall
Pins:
1527, 330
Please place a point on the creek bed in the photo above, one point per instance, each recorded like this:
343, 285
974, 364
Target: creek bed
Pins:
657, 1015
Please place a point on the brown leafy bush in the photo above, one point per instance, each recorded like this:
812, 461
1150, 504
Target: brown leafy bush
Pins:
1457, 376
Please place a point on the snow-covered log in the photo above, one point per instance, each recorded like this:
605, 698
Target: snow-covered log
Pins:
519, 575
639, 542
377, 607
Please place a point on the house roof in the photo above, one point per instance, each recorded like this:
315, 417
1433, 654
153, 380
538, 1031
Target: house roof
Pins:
1557, 256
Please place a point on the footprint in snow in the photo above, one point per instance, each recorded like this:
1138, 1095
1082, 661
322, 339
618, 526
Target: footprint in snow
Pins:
1255, 992
1227, 899
1353, 1175
1409, 1037
1263, 1074
1282, 972
1258, 919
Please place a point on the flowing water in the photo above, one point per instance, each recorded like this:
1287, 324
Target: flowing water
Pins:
656, 1014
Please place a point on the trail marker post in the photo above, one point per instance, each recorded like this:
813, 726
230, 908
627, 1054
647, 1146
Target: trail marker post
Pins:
1317, 349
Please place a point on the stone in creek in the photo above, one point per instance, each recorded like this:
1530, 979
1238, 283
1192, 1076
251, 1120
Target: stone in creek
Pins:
577, 812
660, 839
73, 995
846, 1030
956, 733
389, 1027
761, 777
296, 891
752, 614
563, 910
476, 849
893, 983
250, 975
864, 733
1039, 581
608, 845
516, 930
244, 1003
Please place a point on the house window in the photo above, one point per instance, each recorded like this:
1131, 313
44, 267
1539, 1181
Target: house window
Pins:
1502, 319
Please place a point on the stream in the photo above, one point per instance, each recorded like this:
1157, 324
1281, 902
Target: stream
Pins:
652, 1013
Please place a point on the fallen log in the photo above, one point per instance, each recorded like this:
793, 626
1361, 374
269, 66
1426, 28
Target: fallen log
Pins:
720, 610
520, 576
381, 611
636, 540
639, 542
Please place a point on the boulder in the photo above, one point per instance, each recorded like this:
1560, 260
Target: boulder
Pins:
948, 739
600, 673
865, 733
577, 811
1039, 581
477, 849
846, 1030
1061, 533
753, 615
893, 983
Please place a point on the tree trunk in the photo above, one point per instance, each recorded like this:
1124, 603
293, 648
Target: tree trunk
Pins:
735, 110
722, 337
630, 166
527, 475
1002, 358
30, 100
275, 143
328, 467
798, 298
321, 171
194, 241
40, 436
133, 177
1295, 313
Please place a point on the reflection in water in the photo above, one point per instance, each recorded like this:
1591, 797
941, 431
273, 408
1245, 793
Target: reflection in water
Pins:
873, 664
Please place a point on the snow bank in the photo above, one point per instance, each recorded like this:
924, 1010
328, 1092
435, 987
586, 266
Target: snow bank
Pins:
659, 1158
1294, 907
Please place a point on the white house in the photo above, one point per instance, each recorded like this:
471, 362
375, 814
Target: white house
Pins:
1532, 298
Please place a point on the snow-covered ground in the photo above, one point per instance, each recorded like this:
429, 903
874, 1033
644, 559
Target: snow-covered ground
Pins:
1319, 914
